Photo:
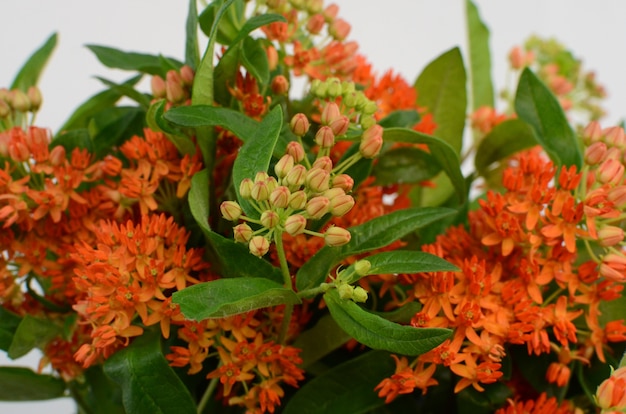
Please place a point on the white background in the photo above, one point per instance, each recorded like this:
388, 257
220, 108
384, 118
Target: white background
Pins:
400, 34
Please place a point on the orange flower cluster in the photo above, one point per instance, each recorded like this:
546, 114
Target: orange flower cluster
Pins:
523, 280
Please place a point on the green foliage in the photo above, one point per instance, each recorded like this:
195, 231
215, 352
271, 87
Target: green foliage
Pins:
148, 383
378, 333
31, 333
225, 297
22, 384
132, 61
441, 90
480, 58
31, 70
535, 104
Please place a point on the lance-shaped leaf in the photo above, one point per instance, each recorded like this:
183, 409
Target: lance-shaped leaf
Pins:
156, 122
97, 103
403, 118
127, 90
320, 340
22, 384
140, 62
405, 165
31, 70
148, 383
443, 153
504, 140
255, 154
480, 58
31, 333
345, 388
441, 90
399, 261
254, 59
192, 50
225, 297
374, 234
535, 104
196, 116
378, 333
9, 323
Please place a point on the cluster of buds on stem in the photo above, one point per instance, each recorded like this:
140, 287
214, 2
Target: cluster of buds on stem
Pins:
175, 88
611, 394
15, 104
603, 190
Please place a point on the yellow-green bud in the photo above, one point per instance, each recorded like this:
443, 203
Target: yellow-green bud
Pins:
242, 233
341, 204
336, 236
345, 291
295, 224
325, 163
296, 177
367, 122
19, 101
245, 188
334, 86
325, 137
34, 95
258, 246
260, 191
330, 113
297, 200
343, 181
299, 124
269, 219
295, 149
362, 267
317, 180
230, 210
359, 294
317, 207
279, 198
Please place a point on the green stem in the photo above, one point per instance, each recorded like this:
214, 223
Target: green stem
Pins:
207, 394
284, 267
307, 293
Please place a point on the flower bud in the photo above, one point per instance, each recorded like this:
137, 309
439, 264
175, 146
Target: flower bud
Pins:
296, 177
174, 91
314, 6
283, 166
615, 137
330, 12
340, 205
317, 207
359, 294
370, 108
295, 224
34, 95
362, 267
157, 84
610, 171
271, 183
299, 124
336, 236
187, 75
333, 192
367, 122
5, 109
260, 191
245, 188
592, 133
315, 24
611, 394
371, 141
340, 125
269, 219
595, 153
295, 149
617, 195
317, 180
325, 137
325, 163
297, 200
345, 291
242, 233
339, 29
261, 176
517, 58
610, 235
343, 181
333, 89
57, 155
280, 85
19, 101
350, 99
230, 210
330, 113
279, 198
258, 246
613, 267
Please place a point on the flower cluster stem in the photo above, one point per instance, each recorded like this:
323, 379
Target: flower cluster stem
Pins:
284, 267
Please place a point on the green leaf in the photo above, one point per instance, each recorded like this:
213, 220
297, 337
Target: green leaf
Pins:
228, 23
113, 126
254, 59
470, 401
502, 141
195, 116
97, 103
374, 234
441, 90
255, 154
140, 62
99, 393
400, 261
480, 58
226, 297
32, 333
535, 104
156, 122
378, 333
442, 152
128, 91
405, 118
198, 199
225, 75
9, 323
346, 388
405, 165
320, 340
149, 385
257, 21
192, 50
22, 384
403, 314
31, 70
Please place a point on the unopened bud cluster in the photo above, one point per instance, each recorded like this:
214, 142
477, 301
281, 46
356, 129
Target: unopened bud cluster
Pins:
287, 201
604, 194
175, 88
15, 103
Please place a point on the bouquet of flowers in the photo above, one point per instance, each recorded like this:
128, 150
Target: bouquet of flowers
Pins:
226, 244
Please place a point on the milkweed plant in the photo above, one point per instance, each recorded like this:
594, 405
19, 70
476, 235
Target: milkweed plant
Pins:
229, 244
